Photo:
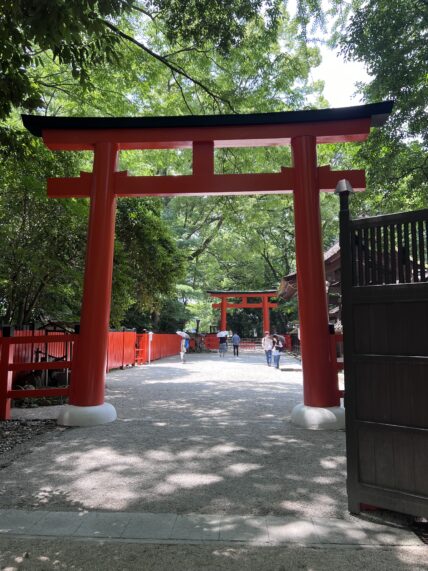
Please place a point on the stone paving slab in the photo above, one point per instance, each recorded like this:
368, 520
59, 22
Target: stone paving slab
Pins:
291, 530
101, 524
19, 521
58, 524
201, 528
340, 531
149, 525
244, 528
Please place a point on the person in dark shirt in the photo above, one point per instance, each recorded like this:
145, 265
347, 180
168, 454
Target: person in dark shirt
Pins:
235, 342
277, 348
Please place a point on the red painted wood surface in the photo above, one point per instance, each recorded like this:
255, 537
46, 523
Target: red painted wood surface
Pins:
6, 359
211, 342
26, 351
162, 345
222, 136
120, 349
57, 343
141, 348
193, 185
105, 184
319, 374
265, 304
90, 352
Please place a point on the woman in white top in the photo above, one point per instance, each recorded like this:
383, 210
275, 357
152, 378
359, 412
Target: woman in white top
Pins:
267, 345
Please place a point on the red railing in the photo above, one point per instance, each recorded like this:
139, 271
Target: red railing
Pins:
31, 352
121, 349
153, 346
211, 342
37, 349
8, 366
41, 351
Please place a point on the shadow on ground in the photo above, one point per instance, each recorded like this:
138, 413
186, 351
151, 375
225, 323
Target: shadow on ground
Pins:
205, 437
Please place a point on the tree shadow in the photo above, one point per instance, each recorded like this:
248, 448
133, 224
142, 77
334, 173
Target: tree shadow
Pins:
191, 440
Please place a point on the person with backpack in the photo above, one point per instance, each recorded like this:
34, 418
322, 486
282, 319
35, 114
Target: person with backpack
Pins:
222, 346
277, 349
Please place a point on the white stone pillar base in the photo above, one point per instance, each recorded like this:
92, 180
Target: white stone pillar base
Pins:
72, 415
318, 418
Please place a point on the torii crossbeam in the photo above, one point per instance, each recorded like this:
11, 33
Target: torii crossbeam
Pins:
303, 130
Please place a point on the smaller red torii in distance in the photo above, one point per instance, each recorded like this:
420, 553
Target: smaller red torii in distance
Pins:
265, 304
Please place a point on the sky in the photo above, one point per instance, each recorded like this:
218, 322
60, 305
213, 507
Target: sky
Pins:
340, 78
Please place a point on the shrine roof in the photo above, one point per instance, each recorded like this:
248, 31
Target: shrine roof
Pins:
377, 112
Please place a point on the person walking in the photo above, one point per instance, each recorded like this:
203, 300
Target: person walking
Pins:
235, 342
276, 351
267, 345
222, 346
183, 349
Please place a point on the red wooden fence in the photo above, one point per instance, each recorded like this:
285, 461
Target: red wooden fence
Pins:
150, 347
29, 351
40, 351
8, 366
212, 342
121, 349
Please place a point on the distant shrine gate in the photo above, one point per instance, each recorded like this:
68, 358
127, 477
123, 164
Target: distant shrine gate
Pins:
107, 136
265, 304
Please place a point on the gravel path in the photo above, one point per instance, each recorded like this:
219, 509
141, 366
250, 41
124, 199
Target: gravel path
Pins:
207, 437
210, 436
17, 437
58, 554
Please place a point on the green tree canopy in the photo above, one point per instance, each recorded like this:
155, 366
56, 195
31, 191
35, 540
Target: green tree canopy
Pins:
43, 242
84, 34
390, 38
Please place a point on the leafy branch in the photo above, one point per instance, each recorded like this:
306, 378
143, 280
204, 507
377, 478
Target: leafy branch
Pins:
175, 69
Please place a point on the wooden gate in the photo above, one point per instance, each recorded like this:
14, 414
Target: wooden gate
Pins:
385, 318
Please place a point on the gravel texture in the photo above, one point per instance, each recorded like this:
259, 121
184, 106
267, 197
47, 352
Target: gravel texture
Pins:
58, 554
209, 436
18, 437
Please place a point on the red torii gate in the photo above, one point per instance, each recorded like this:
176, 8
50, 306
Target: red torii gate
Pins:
265, 304
107, 136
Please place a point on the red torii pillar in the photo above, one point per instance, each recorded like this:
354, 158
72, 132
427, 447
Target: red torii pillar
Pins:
106, 136
317, 361
266, 315
86, 399
223, 314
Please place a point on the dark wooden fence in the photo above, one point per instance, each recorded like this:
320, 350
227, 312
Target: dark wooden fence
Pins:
385, 319
389, 249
